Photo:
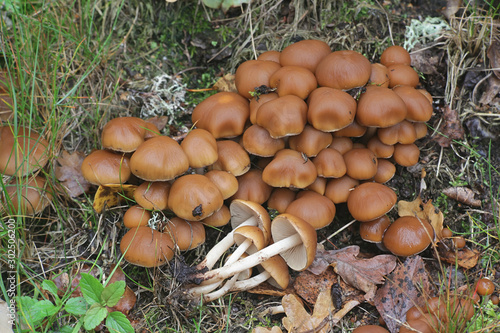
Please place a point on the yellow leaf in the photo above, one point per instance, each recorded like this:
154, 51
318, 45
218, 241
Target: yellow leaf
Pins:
112, 195
426, 211
298, 320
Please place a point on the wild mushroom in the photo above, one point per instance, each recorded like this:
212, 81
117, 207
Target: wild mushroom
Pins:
408, 235
289, 168
200, 148
186, 235
330, 109
310, 142
26, 195
361, 163
153, 195
125, 134
102, 167
395, 54
254, 73
369, 201
402, 75
143, 246
293, 80
232, 158
252, 187
283, 116
136, 216
343, 70
380, 107
314, 208
306, 53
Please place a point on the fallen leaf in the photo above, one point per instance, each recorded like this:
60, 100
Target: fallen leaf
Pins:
299, 320
269, 290
493, 54
406, 286
274, 329
464, 257
63, 284
489, 88
363, 274
308, 285
112, 195
462, 194
127, 301
226, 83
159, 121
425, 211
451, 129
69, 172
451, 8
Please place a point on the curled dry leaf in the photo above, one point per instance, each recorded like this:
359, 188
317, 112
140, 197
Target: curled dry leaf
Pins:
112, 195
226, 83
308, 285
406, 286
127, 301
426, 211
299, 320
462, 194
464, 257
363, 274
159, 121
451, 128
68, 171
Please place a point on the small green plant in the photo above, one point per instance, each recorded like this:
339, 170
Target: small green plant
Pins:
90, 310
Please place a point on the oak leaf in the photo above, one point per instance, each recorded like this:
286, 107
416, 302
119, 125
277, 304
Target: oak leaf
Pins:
68, 171
299, 320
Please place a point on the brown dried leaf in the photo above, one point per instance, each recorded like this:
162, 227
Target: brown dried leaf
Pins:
274, 329
425, 211
465, 257
451, 128
68, 171
363, 274
226, 83
112, 195
490, 90
406, 286
127, 301
298, 320
494, 57
451, 8
462, 194
159, 121
62, 281
308, 285
267, 289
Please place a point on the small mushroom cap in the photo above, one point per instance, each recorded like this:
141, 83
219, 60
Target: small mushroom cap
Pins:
311, 141
289, 169
379, 75
159, 159
354, 130
395, 54
380, 107
330, 163
293, 80
301, 256
416, 325
339, 189
233, 158
283, 116
242, 233
417, 105
403, 132
218, 219
369, 201
225, 181
276, 266
370, 329
342, 144
380, 149
406, 155
187, 235
343, 70
252, 187
402, 75
245, 212
305, 53
125, 134
146, 247
271, 55
280, 199
314, 208
153, 195
23, 153
200, 148
408, 235
373, 231
27, 195
318, 186
194, 197
224, 114
385, 171
136, 216
103, 167
254, 73
257, 141
257, 101
330, 109
485, 287
361, 163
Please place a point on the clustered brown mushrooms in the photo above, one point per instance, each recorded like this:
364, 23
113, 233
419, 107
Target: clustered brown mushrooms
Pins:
307, 129
23, 152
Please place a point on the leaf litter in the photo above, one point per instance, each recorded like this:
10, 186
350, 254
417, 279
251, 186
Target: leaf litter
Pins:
68, 171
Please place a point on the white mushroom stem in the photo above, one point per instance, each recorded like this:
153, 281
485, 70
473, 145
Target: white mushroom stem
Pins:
250, 261
251, 282
222, 291
216, 252
205, 288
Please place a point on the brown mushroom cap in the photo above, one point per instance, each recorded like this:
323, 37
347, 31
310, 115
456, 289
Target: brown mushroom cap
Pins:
278, 270
330, 109
379, 75
385, 171
280, 198
301, 256
417, 105
339, 189
219, 218
416, 325
330, 163
380, 149
283, 116
353, 130
293, 80
343, 70
395, 54
225, 181
361, 163
310, 142
485, 287
257, 101
125, 134
289, 169
369, 201
194, 197
26, 196
271, 55
136, 216
23, 153
251, 187
370, 329
102, 167
403, 132
373, 231
257, 141
223, 114
402, 75
146, 247
341, 143
152, 195
159, 159
406, 155
380, 107
187, 235
408, 235
254, 233
233, 158
252, 74
314, 208
305, 53
318, 186
200, 148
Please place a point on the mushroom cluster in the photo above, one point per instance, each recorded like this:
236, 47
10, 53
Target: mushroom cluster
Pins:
23, 152
307, 129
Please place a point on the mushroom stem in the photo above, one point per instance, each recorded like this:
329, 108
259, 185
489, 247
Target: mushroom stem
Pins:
250, 261
222, 291
251, 282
